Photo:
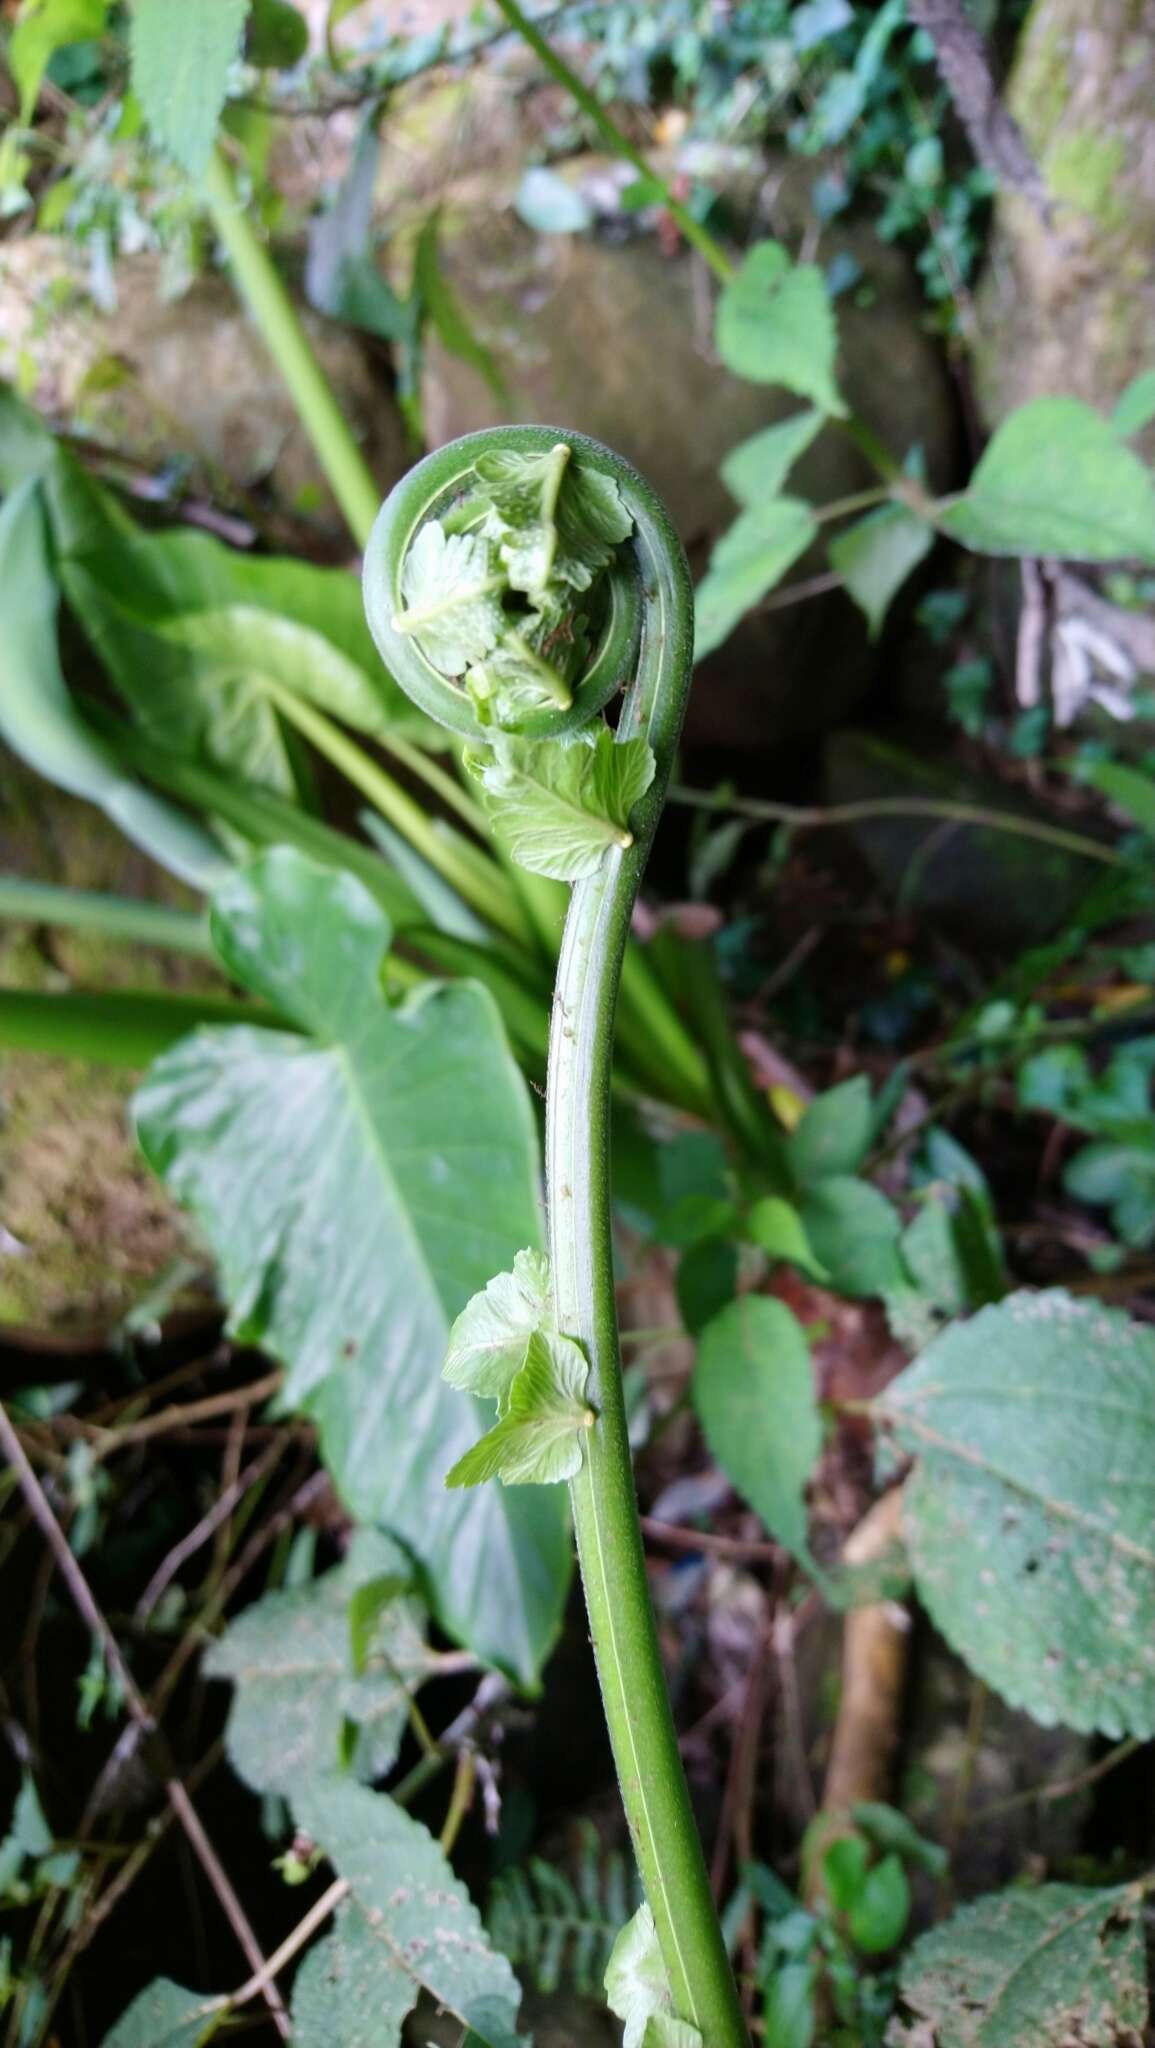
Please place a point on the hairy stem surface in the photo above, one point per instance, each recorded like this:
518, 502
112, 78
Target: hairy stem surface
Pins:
605, 1510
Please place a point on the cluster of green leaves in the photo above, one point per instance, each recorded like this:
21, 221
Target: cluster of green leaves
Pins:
828, 76
821, 1955
1114, 1108
1056, 479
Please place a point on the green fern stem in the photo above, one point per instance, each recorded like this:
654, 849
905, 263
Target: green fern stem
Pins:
648, 638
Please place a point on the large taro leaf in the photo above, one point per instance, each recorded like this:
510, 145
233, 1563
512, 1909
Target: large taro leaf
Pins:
324, 1673
407, 1926
198, 638
1046, 1968
1030, 1512
358, 1183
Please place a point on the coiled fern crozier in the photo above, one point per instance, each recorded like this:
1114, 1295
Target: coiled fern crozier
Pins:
517, 582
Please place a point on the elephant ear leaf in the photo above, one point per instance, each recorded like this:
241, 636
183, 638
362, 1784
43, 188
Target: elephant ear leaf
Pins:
358, 1180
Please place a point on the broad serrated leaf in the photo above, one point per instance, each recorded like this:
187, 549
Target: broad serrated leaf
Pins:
751, 557
40, 722
1030, 1968
523, 492
555, 520
559, 806
451, 585
1056, 480
181, 59
1030, 1509
543, 1418
638, 1989
753, 1389
875, 556
487, 1343
757, 469
855, 1233
775, 325
308, 1695
833, 1134
165, 2015
408, 1926
358, 1182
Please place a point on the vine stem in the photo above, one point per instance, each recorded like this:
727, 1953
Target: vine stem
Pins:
609, 1540
271, 307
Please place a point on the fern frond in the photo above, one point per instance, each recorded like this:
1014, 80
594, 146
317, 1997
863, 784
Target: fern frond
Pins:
560, 1929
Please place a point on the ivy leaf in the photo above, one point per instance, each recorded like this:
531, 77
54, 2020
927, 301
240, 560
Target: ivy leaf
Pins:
775, 1226
753, 1389
855, 1233
1056, 480
306, 1692
875, 556
751, 557
555, 520
638, 1989
1033, 1427
834, 1132
757, 469
165, 2015
452, 589
543, 1415
487, 1343
181, 59
559, 807
775, 326
1135, 407
1045, 1966
358, 1181
408, 1926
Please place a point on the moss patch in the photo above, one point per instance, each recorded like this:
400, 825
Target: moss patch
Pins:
1085, 170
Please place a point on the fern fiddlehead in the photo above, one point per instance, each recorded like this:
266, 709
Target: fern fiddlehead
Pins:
505, 553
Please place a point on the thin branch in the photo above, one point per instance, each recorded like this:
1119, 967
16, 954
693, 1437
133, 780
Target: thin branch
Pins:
209, 1523
316, 1916
138, 1712
808, 816
107, 1441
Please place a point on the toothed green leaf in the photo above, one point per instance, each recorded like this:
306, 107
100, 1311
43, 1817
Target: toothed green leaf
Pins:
540, 1436
776, 326
559, 807
165, 2015
407, 1925
181, 60
300, 1687
452, 587
487, 1343
638, 1989
757, 469
530, 669
554, 520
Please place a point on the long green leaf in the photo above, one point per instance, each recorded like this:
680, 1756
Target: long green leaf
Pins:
125, 1029
181, 60
40, 722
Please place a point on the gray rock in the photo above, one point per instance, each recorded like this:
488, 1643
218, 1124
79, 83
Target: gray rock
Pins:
162, 378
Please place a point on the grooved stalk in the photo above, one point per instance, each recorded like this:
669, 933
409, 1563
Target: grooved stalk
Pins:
622, 1627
